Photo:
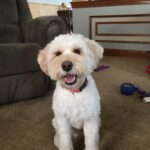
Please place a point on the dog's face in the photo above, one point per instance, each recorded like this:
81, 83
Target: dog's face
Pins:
69, 59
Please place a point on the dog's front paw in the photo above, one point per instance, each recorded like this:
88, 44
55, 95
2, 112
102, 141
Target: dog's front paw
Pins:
56, 140
91, 148
65, 147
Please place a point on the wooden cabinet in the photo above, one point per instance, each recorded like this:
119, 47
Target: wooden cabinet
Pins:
67, 16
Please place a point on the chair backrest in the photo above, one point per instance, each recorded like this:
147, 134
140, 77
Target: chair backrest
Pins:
12, 14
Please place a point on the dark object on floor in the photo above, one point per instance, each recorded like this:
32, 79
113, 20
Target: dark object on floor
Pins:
127, 89
102, 67
130, 89
21, 37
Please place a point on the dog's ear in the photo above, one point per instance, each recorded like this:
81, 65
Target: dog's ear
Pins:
97, 49
42, 60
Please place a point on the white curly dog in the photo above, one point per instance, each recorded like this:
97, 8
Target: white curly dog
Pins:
70, 59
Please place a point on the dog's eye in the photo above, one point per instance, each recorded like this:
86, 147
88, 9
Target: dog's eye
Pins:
58, 53
77, 51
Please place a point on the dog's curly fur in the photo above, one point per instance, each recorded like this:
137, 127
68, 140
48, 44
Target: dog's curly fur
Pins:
80, 56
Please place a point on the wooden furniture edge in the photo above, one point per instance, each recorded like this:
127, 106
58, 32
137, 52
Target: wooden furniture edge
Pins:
103, 3
127, 53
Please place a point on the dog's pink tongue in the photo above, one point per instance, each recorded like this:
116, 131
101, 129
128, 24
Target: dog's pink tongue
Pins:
70, 78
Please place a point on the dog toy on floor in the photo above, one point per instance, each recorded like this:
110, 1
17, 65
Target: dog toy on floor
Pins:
130, 89
102, 67
148, 69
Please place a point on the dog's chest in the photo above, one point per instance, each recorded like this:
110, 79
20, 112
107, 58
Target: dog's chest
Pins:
77, 107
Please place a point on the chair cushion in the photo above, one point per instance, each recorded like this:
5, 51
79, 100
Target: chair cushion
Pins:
8, 12
10, 31
22, 86
18, 58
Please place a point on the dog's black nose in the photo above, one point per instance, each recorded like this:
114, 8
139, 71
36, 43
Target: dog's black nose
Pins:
67, 66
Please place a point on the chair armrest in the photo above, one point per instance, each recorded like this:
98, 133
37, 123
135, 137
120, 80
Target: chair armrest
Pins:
43, 29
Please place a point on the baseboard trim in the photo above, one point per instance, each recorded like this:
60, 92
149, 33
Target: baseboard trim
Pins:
127, 53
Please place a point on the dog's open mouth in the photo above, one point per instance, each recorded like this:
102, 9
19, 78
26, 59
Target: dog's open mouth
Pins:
70, 79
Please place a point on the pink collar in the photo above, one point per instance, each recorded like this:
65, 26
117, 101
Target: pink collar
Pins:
81, 88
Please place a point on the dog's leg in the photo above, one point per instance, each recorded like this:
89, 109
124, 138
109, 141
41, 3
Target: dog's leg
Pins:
64, 133
91, 133
56, 137
56, 140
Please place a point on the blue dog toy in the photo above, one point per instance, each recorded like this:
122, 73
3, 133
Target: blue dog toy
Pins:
130, 89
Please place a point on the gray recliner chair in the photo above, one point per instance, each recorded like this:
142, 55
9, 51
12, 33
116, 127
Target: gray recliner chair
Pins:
21, 37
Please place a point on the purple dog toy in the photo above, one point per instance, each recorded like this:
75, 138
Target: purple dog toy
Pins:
102, 67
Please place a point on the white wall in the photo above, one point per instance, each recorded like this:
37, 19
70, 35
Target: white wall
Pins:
38, 9
46, 7
81, 22
55, 2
